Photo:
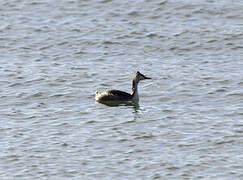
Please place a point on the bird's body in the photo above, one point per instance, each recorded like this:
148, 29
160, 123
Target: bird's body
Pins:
117, 95
113, 95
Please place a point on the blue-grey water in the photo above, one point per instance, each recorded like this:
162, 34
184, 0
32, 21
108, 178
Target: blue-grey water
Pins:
55, 54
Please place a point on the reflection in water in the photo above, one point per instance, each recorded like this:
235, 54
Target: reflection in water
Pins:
134, 105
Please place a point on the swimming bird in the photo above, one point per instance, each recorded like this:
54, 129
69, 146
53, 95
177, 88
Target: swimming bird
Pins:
116, 95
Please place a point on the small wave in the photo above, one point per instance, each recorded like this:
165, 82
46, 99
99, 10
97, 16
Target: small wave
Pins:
110, 42
134, 13
91, 122
148, 136
45, 47
38, 94
15, 84
240, 94
225, 142
57, 95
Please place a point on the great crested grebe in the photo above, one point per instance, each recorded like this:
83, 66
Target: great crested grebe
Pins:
116, 95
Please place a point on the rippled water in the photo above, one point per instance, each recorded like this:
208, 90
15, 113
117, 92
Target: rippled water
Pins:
55, 54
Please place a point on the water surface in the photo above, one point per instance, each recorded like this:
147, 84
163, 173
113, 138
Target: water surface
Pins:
54, 56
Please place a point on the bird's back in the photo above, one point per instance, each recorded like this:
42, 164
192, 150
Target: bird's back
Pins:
112, 95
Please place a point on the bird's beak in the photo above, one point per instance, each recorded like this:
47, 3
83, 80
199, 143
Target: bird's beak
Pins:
147, 77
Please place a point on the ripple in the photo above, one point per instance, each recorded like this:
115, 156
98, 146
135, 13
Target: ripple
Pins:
148, 136
189, 115
91, 122
240, 94
225, 142
36, 95
15, 84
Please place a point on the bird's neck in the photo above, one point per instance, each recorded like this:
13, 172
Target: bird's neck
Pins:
135, 90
